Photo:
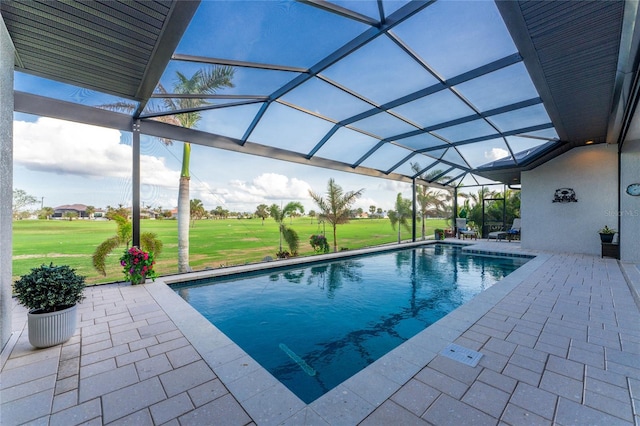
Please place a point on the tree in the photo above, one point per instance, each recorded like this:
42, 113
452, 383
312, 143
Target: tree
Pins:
90, 210
401, 215
262, 211
205, 81
148, 240
335, 209
473, 206
288, 234
112, 212
493, 210
46, 213
70, 215
157, 212
219, 212
431, 202
372, 210
196, 209
21, 200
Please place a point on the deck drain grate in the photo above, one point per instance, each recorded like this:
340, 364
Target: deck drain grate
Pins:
461, 354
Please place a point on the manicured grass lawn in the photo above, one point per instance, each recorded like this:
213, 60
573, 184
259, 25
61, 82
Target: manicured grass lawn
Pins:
213, 243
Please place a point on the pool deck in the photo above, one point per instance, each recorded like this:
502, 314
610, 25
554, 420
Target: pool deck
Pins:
560, 339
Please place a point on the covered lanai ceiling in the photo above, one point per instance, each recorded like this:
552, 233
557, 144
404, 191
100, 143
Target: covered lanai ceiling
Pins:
453, 92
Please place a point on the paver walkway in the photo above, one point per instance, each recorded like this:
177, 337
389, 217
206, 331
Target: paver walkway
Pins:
127, 364
560, 346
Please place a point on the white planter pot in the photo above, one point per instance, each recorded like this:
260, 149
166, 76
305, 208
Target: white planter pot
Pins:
52, 328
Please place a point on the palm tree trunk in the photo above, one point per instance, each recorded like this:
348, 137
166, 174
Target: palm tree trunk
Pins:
183, 225
335, 240
399, 233
184, 211
423, 228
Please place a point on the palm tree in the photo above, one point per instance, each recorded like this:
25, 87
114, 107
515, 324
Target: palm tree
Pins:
90, 210
431, 202
474, 212
148, 240
262, 211
401, 215
288, 234
158, 212
196, 210
219, 212
205, 81
336, 208
47, 212
71, 215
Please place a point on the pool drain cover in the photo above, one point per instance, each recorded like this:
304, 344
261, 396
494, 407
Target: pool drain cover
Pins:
461, 354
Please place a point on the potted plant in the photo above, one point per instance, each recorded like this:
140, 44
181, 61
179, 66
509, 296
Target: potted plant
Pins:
137, 265
606, 234
439, 234
51, 294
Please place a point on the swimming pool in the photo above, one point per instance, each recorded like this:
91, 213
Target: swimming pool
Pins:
314, 326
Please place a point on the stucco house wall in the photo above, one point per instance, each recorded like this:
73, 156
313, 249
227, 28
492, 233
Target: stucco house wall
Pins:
630, 206
7, 53
592, 172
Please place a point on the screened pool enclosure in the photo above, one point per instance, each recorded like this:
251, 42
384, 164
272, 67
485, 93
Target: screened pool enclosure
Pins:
443, 93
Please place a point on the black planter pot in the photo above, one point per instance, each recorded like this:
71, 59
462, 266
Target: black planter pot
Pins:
607, 238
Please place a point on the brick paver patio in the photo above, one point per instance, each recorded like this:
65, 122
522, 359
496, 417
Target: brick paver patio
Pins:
560, 340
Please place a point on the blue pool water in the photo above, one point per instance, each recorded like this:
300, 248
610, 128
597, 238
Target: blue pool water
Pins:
314, 326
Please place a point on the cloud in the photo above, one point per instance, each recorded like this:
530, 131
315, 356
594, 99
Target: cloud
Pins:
76, 156
496, 154
394, 186
241, 195
274, 187
67, 148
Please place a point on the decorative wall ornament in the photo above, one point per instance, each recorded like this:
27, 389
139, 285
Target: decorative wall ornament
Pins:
634, 189
565, 195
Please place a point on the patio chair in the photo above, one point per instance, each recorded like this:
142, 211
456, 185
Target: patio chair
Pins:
497, 235
461, 226
512, 233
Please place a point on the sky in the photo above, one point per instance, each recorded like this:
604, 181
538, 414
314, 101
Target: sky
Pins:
70, 163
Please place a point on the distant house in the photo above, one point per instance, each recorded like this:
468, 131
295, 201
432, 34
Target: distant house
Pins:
79, 209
